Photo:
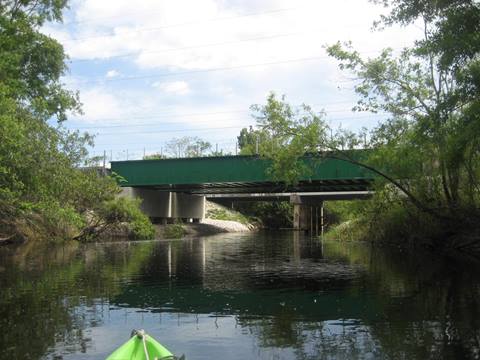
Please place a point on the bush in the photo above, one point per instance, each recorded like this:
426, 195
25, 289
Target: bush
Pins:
272, 215
383, 218
125, 210
49, 222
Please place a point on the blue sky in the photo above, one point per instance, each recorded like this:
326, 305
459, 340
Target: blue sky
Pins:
149, 71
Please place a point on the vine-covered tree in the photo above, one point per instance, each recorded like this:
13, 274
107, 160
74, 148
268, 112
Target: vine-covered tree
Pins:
428, 149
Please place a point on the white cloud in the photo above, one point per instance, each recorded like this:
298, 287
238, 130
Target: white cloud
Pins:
98, 104
174, 87
204, 34
112, 73
152, 40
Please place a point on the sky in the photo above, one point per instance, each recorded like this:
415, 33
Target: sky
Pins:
151, 70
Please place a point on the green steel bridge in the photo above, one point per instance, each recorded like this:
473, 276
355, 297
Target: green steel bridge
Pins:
240, 175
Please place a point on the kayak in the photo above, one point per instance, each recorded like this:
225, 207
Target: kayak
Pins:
141, 347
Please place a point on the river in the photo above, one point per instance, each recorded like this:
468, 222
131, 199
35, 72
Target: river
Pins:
238, 296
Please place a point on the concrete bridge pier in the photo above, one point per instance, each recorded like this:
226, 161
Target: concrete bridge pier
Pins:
308, 214
187, 206
163, 206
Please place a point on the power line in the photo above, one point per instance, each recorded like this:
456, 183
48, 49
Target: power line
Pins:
163, 115
158, 116
183, 24
149, 124
197, 114
173, 130
186, 47
161, 145
219, 128
176, 123
226, 68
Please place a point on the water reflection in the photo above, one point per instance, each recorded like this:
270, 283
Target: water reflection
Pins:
261, 296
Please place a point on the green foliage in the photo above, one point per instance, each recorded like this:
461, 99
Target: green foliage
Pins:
272, 215
250, 139
54, 222
430, 142
156, 156
31, 63
343, 210
44, 192
350, 230
384, 218
288, 133
125, 210
174, 231
187, 147
221, 213
427, 154
219, 153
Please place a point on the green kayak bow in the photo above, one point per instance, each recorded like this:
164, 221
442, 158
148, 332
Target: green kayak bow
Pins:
141, 347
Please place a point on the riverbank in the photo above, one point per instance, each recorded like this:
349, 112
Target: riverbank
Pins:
205, 228
219, 219
403, 225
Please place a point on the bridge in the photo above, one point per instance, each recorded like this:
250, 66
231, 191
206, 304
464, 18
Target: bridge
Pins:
176, 188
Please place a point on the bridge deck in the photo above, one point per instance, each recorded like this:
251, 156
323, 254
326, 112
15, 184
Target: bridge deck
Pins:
238, 174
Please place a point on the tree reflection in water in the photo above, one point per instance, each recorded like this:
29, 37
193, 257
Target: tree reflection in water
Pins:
292, 296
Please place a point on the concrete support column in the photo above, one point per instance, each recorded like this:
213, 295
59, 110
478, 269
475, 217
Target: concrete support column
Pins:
164, 205
301, 217
155, 204
308, 214
188, 206
296, 216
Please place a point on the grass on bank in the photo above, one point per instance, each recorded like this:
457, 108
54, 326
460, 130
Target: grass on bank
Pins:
378, 220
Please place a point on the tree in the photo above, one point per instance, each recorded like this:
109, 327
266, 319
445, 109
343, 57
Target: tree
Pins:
431, 92
187, 147
428, 148
44, 192
32, 63
156, 156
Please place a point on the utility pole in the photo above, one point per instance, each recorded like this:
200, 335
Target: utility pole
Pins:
256, 145
236, 148
127, 154
144, 153
104, 162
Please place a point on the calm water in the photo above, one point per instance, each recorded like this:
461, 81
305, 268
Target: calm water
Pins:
255, 296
